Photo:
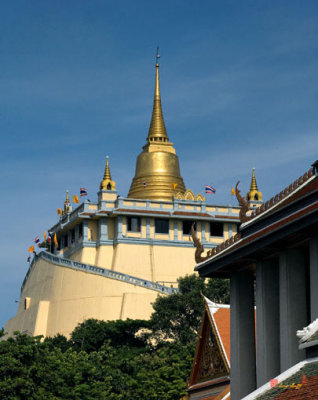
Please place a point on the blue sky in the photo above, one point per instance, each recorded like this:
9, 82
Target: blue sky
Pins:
239, 90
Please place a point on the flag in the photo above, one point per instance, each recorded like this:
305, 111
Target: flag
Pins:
75, 199
144, 183
37, 241
56, 242
59, 211
209, 189
31, 249
49, 238
233, 191
174, 185
29, 259
83, 192
44, 236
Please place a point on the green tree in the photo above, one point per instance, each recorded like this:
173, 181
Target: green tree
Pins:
177, 317
92, 334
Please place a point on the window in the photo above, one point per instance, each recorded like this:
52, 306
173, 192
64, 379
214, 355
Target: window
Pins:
133, 224
186, 226
161, 225
216, 229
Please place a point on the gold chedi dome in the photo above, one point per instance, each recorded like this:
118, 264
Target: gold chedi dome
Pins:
157, 175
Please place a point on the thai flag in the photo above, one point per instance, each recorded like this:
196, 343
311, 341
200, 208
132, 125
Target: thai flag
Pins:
49, 237
83, 192
209, 189
144, 183
37, 241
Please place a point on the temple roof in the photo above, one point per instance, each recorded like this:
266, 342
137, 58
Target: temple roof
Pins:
298, 382
277, 219
211, 366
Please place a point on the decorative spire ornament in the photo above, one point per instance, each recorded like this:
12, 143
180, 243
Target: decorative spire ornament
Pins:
157, 164
107, 183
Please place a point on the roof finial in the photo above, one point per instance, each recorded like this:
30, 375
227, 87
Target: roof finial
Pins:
67, 200
157, 131
254, 196
107, 183
157, 56
67, 204
253, 182
107, 174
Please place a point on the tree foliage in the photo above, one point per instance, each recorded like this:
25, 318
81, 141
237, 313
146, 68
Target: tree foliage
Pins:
112, 360
177, 317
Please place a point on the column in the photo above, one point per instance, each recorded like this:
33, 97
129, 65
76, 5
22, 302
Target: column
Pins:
267, 319
292, 307
202, 231
120, 227
85, 230
243, 375
313, 261
147, 228
102, 229
175, 229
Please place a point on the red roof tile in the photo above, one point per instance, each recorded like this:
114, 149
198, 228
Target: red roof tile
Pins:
307, 391
222, 322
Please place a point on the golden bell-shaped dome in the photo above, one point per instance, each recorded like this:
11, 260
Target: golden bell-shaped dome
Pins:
157, 175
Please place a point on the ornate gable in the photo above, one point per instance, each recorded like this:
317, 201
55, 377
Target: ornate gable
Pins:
210, 362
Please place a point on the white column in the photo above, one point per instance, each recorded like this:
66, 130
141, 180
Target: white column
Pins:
267, 319
313, 260
243, 376
292, 307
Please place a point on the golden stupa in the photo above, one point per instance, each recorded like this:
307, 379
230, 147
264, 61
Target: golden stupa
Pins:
254, 194
157, 175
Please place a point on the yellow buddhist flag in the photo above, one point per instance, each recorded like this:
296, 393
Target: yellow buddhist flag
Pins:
31, 249
59, 211
174, 185
44, 235
56, 242
233, 191
75, 199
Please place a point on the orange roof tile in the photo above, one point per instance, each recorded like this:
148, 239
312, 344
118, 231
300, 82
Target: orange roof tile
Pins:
308, 390
222, 322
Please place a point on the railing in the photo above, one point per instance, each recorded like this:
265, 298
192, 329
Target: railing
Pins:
102, 272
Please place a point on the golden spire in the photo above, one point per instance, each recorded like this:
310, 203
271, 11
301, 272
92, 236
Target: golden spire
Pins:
107, 183
254, 196
157, 130
157, 175
253, 182
67, 204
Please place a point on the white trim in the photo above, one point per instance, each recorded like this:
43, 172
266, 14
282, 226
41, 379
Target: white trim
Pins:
308, 344
213, 308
